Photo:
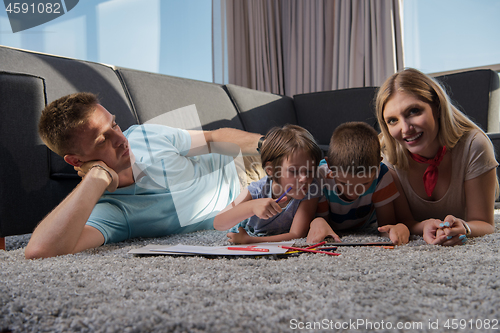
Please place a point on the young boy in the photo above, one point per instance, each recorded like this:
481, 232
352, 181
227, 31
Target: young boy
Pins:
358, 189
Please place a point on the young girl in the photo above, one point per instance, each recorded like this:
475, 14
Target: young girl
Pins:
289, 157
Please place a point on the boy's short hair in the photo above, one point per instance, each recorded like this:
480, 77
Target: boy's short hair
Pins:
61, 119
354, 146
281, 142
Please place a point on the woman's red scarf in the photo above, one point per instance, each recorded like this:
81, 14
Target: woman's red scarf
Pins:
431, 173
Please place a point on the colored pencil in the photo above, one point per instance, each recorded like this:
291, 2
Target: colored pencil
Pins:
316, 245
361, 244
281, 197
309, 250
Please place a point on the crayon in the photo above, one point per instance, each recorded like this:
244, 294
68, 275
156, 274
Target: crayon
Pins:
315, 245
308, 250
281, 197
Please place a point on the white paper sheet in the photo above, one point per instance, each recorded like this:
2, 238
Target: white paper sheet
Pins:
274, 248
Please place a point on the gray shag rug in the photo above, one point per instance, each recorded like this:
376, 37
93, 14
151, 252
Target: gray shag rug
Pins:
412, 288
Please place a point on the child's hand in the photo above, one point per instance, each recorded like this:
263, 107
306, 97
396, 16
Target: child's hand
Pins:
398, 234
266, 208
319, 229
239, 238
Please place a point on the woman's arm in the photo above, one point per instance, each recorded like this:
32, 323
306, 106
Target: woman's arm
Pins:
300, 226
480, 203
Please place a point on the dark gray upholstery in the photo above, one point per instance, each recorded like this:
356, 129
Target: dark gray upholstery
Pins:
475, 92
154, 94
65, 76
322, 112
27, 193
260, 111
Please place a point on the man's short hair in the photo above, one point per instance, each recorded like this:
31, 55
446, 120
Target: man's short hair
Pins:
354, 146
60, 120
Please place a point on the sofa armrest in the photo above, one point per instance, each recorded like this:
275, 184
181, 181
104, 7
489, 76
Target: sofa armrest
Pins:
27, 193
495, 139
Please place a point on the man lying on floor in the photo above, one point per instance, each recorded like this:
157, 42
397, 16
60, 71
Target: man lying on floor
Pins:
148, 181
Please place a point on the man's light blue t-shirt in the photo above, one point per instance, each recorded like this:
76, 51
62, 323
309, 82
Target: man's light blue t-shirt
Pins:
172, 193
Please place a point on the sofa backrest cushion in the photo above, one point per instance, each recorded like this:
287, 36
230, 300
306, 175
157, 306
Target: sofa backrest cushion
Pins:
260, 111
477, 94
27, 193
322, 112
154, 96
64, 76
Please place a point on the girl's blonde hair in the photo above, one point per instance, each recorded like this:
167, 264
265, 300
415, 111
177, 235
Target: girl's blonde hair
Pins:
453, 124
282, 142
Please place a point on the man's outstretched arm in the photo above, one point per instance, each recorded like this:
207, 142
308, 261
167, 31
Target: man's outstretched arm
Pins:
245, 140
226, 141
64, 230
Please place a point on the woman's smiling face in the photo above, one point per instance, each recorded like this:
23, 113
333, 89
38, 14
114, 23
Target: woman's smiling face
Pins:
413, 123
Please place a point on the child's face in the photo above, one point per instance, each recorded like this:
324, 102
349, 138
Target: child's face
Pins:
349, 187
297, 171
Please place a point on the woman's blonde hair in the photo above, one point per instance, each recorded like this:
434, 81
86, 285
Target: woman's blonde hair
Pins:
453, 124
282, 142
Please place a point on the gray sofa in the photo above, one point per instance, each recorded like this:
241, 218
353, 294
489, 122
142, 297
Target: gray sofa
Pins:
34, 180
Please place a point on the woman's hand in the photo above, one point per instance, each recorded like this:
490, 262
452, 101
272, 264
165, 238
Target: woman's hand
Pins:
454, 229
430, 231
449, 232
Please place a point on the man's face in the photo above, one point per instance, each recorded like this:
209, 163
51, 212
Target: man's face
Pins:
101, 139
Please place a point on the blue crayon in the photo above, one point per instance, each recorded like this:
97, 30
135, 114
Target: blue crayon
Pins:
281, 197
